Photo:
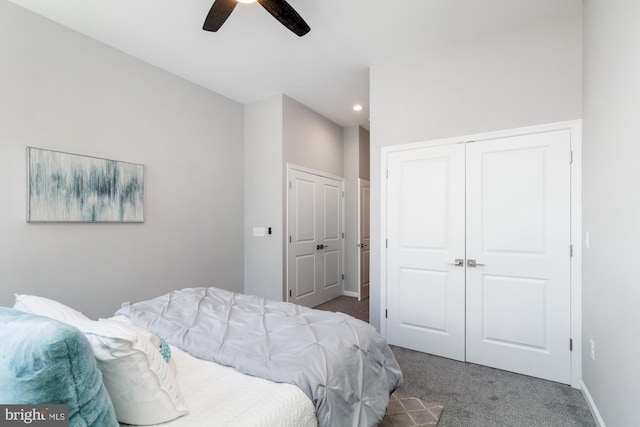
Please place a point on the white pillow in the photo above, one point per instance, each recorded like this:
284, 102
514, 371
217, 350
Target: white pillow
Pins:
155, 340
47, 308
141, 385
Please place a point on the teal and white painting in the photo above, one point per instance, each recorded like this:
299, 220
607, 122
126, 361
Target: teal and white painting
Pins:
67, 187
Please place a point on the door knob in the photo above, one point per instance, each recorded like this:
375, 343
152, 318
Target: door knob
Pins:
457, 262
473, 264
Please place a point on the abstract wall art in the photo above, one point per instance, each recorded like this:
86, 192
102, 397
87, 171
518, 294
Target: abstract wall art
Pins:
65, 187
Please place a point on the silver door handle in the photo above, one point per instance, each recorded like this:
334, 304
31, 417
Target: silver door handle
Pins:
457, 262
473, 264
361, 245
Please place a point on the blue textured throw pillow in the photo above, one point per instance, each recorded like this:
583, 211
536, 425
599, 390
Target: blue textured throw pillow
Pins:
43, 361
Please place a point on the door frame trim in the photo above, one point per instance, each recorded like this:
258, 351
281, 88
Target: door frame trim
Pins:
290, 167
575, 128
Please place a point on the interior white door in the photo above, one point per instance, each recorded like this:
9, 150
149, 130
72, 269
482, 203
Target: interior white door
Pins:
518, 234
329, 222
425, 237
314, 258
364, 238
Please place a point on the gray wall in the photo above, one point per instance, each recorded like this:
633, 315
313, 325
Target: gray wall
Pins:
351, 175
356, 165
522, 76
311, 140
365, 157
263, 179
63, 91
611, 208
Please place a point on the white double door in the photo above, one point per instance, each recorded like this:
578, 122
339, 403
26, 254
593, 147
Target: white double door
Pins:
315, 246
478, 258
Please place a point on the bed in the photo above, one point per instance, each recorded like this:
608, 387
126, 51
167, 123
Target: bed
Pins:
342, 364
213, 357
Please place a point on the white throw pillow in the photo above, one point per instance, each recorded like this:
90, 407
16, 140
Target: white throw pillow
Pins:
126, 322
47, 308
141, 384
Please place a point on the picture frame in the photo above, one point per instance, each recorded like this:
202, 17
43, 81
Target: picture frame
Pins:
65, 187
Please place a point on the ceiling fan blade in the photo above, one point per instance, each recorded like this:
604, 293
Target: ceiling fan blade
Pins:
219, 13
283, 12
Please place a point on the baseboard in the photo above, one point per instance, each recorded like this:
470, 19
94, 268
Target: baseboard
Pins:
592, 405
350, 294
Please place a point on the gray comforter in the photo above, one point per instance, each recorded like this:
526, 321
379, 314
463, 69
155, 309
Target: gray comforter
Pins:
343, 365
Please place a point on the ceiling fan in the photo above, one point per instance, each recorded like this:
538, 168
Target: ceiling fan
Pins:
280, 9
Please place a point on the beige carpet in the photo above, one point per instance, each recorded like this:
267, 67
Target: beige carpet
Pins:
406, 411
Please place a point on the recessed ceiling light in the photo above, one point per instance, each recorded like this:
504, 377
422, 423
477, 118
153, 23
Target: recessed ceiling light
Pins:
357, 107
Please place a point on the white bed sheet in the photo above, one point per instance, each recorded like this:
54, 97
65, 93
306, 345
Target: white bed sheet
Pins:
219, 396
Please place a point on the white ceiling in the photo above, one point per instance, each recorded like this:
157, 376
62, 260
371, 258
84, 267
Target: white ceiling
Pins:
253, 56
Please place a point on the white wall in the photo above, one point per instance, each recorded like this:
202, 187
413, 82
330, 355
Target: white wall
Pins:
63, 91
522, 76
263, 177
611, 208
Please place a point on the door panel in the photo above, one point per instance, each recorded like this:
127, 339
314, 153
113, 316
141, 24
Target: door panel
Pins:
425, 291
364, 229
513, 186
305, 268
527, 303
424, 203
518, 226
331, 222
423, 285
304, 210
332, 274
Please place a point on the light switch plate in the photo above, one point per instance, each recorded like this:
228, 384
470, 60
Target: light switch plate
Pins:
259, 231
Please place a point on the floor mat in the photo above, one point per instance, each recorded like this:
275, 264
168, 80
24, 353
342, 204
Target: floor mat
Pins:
407, 411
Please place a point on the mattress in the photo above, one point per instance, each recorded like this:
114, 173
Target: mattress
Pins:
219, 396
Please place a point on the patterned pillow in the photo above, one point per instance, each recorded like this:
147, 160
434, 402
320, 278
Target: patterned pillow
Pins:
44, 361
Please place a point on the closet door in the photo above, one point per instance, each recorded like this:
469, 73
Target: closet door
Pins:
518, 234
425, 236
314, 222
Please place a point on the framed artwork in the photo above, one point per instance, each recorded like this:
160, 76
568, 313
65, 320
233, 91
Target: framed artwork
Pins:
64, 187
